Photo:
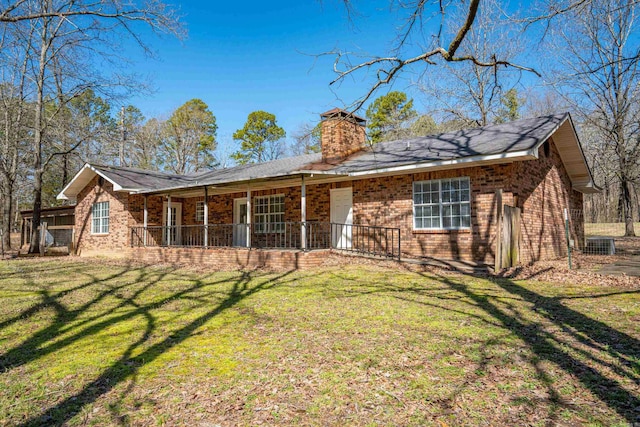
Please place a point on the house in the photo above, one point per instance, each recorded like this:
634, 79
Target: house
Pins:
467, 195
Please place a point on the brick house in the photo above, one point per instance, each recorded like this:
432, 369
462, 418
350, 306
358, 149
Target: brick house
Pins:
467, 195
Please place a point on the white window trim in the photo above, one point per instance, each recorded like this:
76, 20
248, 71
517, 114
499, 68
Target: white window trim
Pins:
102, 218
257, 224
440, 203
200, 203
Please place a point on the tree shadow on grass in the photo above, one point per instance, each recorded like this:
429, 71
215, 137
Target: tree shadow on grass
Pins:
584, 348
595, 336
62, 332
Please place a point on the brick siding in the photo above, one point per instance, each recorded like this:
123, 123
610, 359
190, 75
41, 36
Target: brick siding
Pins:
120, 219
230, 258
341, 137
541, 188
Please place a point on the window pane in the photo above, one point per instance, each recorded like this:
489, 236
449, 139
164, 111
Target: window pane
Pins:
442, 203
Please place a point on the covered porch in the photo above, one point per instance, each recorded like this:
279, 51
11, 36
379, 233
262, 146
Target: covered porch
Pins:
303, 213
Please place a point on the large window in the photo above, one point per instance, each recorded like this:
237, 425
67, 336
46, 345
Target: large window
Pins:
100, 220
442, 204
199, 211
269, 214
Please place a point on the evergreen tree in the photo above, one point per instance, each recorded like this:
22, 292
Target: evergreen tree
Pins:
389, 117
261, 139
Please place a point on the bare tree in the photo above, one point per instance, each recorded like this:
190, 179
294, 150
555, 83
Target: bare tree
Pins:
306, 139
67, 37
600, 74
146, 142
442, 41
14, 115
469, 92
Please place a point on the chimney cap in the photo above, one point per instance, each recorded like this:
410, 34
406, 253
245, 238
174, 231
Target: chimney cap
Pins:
340, 113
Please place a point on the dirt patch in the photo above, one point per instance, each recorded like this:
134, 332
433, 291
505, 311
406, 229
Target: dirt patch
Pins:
585, 271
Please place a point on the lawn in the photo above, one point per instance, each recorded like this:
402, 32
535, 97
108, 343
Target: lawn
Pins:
94, 343
608, 229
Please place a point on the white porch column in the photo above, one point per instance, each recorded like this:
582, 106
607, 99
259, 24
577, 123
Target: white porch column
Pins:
206, 217
145, 221
249, 211
303, 215
169, 220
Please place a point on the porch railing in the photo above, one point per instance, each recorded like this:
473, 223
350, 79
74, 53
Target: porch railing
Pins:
364, 239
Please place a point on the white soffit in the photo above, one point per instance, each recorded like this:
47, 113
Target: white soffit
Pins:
573, 158
80, 181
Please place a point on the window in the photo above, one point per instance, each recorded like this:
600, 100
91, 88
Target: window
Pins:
269, 214
100, 221
200, 211
442, 204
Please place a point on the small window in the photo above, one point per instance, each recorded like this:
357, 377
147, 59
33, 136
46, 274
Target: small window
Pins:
442, 204
200, 211
547, 148
269, 214
100, 218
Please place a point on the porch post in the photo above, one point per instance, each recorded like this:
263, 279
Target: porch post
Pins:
206, 217
303, 215
249, 217
23, 227
169, 220
145, 220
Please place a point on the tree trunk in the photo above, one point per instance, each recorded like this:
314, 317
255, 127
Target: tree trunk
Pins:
625, 199
38, 140
65, 166
7, 202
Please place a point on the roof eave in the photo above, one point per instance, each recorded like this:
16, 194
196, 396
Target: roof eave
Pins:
116, 187
223, 183
506, 157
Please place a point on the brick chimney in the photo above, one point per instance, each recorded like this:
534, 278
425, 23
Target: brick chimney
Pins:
342, 134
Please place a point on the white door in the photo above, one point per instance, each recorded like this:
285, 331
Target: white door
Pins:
341, 217
176, 222
240, 222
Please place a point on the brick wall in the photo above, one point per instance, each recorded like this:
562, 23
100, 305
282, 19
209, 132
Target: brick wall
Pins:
120, 218
340, 137
543, 190
388, 202
230, 258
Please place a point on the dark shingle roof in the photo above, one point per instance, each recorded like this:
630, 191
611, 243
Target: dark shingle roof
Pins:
141, 179
272, 169
515, 136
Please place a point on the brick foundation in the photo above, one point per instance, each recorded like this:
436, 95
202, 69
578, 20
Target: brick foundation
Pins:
231, 258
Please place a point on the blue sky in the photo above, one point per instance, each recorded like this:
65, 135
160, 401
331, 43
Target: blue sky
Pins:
253, 55
244, 56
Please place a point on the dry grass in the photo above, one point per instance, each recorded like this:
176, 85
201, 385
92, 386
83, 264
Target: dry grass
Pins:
96, 343
608, 229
